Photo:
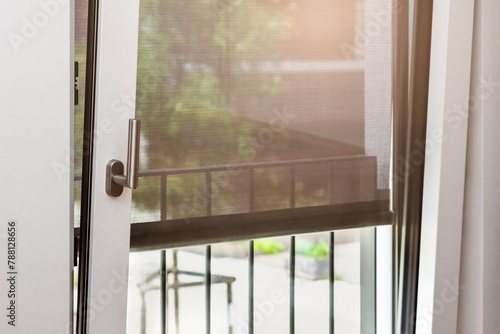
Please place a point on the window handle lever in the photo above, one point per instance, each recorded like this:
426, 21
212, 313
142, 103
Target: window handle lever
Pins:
116, 180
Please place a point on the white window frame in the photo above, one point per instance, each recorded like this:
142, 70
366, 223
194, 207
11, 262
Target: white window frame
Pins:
444, 180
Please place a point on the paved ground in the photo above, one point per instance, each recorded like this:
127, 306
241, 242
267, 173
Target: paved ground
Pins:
271, 296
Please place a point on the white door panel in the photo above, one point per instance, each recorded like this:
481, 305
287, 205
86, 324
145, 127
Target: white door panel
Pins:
36, 178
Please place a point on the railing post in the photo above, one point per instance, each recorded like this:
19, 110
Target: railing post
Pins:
164, 291
331, 256
208, 289
292, 186
229, 307
251, 190
292, 285
330, 182
250, 286
251, 259
143, 311
176, 291
208, 256
292, 255
163, 197
208, 193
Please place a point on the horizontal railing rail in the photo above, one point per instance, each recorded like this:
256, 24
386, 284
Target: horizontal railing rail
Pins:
244, 165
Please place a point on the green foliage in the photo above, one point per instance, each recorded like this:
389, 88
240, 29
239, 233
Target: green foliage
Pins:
320, 250
268, 246
314, 250
187, 77
188, 83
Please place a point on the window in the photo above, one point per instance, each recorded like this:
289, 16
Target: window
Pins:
262, 119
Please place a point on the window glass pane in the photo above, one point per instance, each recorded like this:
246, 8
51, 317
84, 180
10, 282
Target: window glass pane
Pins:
252, 108
252, 83
271, 286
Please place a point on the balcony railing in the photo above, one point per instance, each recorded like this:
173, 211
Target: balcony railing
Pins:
363, 208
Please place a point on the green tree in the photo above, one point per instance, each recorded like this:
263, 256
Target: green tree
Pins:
195, 59
190, 57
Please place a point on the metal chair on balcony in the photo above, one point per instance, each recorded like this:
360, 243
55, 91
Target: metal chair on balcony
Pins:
175, 284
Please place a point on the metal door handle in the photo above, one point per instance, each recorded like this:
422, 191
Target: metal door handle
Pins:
115, 177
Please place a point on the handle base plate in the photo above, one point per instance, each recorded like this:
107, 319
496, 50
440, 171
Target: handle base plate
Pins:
113, 167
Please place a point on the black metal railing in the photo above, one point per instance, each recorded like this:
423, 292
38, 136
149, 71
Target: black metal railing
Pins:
209, 279
208, 171
172, 233
364, 210
367, 209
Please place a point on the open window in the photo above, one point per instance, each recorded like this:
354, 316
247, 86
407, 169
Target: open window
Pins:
259, 120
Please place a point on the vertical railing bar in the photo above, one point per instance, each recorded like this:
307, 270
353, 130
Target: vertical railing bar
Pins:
143, 312
358, 189
251, 253
292, 285
229, 307
251, 191
176, 291
292, 186
208, 193
332, 282
331, 254
251, 291
163, 197
163, 277
208, 286
330, 182
292, 255
208, 256
166, 309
